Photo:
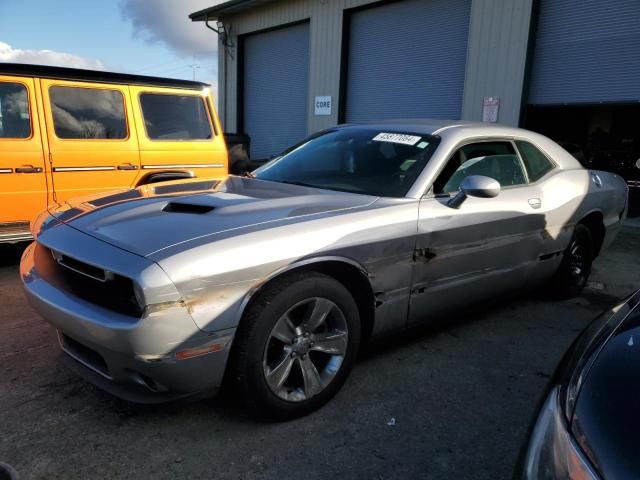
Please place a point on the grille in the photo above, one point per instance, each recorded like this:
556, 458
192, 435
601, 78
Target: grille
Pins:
82, 268
95, 285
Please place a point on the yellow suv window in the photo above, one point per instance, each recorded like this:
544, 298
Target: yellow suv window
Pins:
14, 111
88, 113
175, 117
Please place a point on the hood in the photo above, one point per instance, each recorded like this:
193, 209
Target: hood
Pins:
606, 421
151, 218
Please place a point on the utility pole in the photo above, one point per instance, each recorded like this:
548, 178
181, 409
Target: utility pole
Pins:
194, 66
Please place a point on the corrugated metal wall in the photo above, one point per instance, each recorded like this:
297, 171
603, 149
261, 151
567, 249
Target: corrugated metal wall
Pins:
325, 43
496, 57
587, 51
275, 86
407, 60
498, 34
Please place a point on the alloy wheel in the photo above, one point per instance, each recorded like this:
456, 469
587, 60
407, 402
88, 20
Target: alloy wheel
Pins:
577, 261
305, 349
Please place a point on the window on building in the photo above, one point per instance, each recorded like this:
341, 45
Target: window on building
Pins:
497, 160
175, 117
14, 111
88, 113
536, 162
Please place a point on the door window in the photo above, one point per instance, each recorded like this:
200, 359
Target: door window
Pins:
175, 117
536, 162
497, 160
88, 113
14, 111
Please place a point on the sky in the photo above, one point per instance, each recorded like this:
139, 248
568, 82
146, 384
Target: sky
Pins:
147, 37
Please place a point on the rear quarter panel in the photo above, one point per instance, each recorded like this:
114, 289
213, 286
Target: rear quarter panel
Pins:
612, 198
569, 196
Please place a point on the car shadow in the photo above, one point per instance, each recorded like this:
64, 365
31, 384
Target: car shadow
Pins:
225, 404
10, 254
448, 323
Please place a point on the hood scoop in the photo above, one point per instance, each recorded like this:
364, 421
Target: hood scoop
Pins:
183, 207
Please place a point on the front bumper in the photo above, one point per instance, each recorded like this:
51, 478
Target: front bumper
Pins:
132, 358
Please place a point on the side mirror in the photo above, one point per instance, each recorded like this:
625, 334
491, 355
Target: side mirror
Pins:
638, 164
475, 186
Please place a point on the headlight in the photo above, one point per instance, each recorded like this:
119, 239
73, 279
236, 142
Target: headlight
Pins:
552, 452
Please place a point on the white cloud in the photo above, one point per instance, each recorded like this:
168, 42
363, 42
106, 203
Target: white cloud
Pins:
47, 57
167, 21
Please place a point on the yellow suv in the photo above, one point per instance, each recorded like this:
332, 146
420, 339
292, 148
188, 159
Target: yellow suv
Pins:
67, 132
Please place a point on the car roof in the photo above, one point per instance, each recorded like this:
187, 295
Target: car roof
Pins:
453, 132
64, 73
434, 126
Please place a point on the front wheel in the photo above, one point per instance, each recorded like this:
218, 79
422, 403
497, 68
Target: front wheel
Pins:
295, 346
573, 273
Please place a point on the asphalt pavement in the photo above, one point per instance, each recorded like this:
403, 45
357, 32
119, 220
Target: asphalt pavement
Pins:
449, 402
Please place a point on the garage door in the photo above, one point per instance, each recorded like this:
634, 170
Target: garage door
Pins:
407, 59
586, 51
276, 66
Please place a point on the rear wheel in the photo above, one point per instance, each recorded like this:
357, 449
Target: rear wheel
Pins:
295, 346
573, 273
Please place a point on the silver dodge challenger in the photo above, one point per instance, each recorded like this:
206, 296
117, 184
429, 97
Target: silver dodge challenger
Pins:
268, 283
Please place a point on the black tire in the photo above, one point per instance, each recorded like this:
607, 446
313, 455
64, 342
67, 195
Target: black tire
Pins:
246, 375
573, 273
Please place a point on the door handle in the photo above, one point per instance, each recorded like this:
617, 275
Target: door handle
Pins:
29, 169
127, 166
535, 203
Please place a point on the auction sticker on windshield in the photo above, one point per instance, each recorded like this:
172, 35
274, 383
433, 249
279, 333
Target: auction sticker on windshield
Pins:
397, 138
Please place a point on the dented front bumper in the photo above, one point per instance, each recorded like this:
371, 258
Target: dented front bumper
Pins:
159, 355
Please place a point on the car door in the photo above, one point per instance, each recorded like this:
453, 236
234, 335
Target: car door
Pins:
485, 246
93, 144
23, 187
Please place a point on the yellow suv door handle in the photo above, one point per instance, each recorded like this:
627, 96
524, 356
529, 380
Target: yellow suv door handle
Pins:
28, 169
127, 166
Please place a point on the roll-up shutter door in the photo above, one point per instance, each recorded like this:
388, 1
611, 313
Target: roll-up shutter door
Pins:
406, 59
586, 51
275, 86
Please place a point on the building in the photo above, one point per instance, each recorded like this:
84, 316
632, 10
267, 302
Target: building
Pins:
567, 68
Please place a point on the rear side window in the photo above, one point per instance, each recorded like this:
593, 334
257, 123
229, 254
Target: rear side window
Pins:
88, 113
497, 160
14, 111
175, 117
536, 162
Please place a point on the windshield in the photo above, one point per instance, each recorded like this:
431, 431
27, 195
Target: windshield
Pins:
354, 159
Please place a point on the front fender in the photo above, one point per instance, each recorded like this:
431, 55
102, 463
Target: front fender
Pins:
218, 307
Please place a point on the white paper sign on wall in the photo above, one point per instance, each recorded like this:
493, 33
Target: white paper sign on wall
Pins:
490, 109
323, 105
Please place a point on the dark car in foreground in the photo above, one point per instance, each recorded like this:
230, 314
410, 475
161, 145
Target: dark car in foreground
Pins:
588, 425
